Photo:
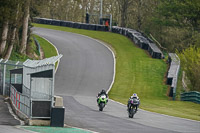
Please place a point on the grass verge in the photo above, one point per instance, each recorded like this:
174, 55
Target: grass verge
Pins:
137, 72
48, 49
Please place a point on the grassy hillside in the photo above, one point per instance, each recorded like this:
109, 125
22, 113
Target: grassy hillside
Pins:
137, 72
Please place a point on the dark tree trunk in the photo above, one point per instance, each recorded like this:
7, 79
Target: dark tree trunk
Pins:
10, 47
13, 35
124, 7
139, 21
4, 37
25, 28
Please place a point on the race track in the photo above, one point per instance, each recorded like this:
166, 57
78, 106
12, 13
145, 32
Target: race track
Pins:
86, 67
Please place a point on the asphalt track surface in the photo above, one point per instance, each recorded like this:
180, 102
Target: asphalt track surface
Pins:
85, 68
7, 121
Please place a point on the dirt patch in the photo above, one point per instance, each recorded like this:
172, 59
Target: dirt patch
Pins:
41, 54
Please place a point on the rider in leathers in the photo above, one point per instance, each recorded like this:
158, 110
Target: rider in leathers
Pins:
101, 93
132, 97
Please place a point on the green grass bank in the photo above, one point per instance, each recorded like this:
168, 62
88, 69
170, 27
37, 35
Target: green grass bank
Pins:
47, 48
137, 72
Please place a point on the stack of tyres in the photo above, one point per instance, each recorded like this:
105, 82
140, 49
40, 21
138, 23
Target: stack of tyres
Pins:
85, 26
75, 25
135, 36
143, 42
98, 27
92, 27
55, 22
114, 29
42, 21
79, 25
63, 23
120, 30
48, 21
125, 31
69, 24
154, 51
130, 33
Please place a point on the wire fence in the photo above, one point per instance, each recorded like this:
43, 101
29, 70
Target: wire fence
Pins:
30, 85
5, 77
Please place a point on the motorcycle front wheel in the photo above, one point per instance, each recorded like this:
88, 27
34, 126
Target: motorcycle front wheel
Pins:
101, 106
131, 112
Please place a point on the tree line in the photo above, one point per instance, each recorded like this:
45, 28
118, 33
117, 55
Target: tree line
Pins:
174, 23
15, 24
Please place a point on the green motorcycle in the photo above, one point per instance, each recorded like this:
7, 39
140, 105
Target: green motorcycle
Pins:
102, 101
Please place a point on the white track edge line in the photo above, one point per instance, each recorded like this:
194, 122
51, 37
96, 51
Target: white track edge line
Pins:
113, 55
81, 128
56, 51
56, 70
26, 130
114, 78
12, 113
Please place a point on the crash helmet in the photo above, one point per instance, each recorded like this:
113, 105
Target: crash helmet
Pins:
103, 91
135, 95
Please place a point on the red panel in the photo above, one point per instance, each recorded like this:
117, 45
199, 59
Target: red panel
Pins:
16, 99
19, 103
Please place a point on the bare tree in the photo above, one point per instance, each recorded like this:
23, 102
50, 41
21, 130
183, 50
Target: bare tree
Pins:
124, 6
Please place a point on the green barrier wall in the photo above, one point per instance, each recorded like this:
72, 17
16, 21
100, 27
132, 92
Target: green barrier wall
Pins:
193, 96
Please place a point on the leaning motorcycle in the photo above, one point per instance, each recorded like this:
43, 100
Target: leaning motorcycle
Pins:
102, 101
132, 107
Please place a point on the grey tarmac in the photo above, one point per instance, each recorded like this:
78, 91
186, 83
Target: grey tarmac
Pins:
85, 68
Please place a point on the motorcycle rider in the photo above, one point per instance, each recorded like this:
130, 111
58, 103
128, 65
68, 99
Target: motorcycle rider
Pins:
132, 97
101, 93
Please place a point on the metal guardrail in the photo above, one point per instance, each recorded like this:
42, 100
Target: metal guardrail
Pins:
32, 108
20, 101
5, 67
37, 44
193, 96
172, 75
30, 86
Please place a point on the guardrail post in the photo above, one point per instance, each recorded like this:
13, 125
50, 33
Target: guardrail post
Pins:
37, 44
30, 98
15, 74
4, 77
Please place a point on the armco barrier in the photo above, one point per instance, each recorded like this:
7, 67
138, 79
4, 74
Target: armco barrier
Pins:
55, 22
140, 40
172, 75
20, 101
193, 96
37, 44
63, 23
